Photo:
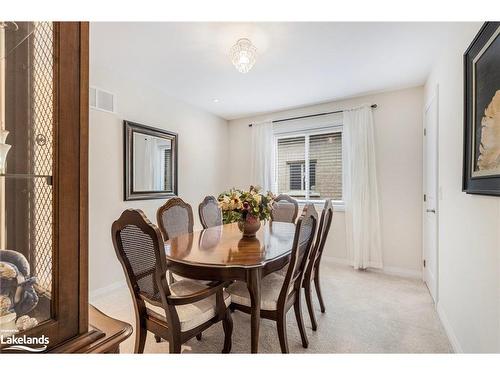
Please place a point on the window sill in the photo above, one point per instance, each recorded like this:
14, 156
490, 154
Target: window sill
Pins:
338, 206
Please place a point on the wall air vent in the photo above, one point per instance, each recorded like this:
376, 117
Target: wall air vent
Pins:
102, 100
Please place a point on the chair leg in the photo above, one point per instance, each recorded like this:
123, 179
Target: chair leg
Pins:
198, 336
227, 324
140, 338
297, 307
281, 323
318, 290
174, 345
310, 308
157, 338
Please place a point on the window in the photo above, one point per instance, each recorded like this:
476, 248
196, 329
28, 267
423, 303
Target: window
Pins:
167, 177
297, 173
309, 165
297, 177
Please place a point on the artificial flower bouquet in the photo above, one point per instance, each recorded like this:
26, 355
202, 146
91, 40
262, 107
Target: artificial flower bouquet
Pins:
245, 206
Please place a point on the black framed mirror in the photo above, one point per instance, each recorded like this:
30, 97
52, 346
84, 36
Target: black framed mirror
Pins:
150, 162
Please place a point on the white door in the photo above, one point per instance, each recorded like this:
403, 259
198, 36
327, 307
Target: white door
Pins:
430, 206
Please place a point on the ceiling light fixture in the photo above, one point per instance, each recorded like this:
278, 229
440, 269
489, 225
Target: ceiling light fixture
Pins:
243, 55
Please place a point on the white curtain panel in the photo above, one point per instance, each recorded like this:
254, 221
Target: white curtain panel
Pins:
262, 168
360, 189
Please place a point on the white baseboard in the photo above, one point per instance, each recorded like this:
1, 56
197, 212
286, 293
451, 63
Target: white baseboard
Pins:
404, 272
336, 260
95, 294
396, 271
457, 348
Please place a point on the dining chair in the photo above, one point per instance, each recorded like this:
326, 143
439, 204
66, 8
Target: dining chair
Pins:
285, 209
312, 269
175, 312
210, 213
174, 218
279, 293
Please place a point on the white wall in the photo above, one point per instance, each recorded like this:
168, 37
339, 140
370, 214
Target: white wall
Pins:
203, 156
469, 226
398, 137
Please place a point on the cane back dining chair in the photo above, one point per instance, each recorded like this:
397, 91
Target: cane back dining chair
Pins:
285, 209
174, 218
312, 269
280, 293
176, 312
210, 213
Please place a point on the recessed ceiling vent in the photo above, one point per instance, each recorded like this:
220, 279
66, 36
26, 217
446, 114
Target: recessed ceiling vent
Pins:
102, 100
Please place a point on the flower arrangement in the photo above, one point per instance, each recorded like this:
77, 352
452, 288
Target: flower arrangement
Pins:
245, 206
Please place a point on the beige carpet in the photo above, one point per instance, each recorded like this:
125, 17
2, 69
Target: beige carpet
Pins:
366, 312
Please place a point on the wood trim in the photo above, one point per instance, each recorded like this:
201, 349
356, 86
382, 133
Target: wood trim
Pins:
67, 179
84, 167
103, 335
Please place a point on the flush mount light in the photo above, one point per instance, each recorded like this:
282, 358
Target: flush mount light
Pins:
216, 100
243, 55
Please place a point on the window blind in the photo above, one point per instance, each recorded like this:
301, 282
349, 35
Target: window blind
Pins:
310, 166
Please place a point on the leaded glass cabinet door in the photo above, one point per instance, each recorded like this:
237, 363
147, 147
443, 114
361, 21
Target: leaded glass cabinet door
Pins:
43, 179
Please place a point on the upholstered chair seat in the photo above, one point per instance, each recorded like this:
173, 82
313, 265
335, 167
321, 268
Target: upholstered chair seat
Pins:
283, 271
270, 292
194, 314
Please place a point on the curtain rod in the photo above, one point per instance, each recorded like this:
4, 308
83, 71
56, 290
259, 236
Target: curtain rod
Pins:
315, 115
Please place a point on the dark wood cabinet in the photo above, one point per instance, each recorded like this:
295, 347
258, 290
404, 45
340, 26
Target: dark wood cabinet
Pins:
44, 185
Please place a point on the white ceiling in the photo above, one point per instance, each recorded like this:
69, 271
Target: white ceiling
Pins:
298, 63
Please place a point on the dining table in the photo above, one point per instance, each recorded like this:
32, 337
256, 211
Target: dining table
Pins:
221, 253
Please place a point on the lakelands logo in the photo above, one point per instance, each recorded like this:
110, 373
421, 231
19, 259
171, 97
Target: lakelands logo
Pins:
24, 343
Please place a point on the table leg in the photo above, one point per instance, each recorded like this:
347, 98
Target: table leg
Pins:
253, 285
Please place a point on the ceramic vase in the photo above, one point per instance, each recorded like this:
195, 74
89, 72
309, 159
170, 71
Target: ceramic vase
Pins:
249, 227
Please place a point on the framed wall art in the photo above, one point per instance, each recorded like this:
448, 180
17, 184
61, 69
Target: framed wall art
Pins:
481, 169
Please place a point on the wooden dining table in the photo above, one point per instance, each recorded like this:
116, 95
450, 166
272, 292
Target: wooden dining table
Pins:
222, 254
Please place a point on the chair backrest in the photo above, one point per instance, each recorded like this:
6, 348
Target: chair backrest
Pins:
305, 231
210, 213
174, 218
322, 235
285, 209
137, 244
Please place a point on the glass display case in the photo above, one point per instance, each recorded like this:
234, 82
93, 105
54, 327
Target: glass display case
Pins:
43, 180
26, 190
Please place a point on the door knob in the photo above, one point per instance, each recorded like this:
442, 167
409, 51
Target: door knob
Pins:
429, 210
